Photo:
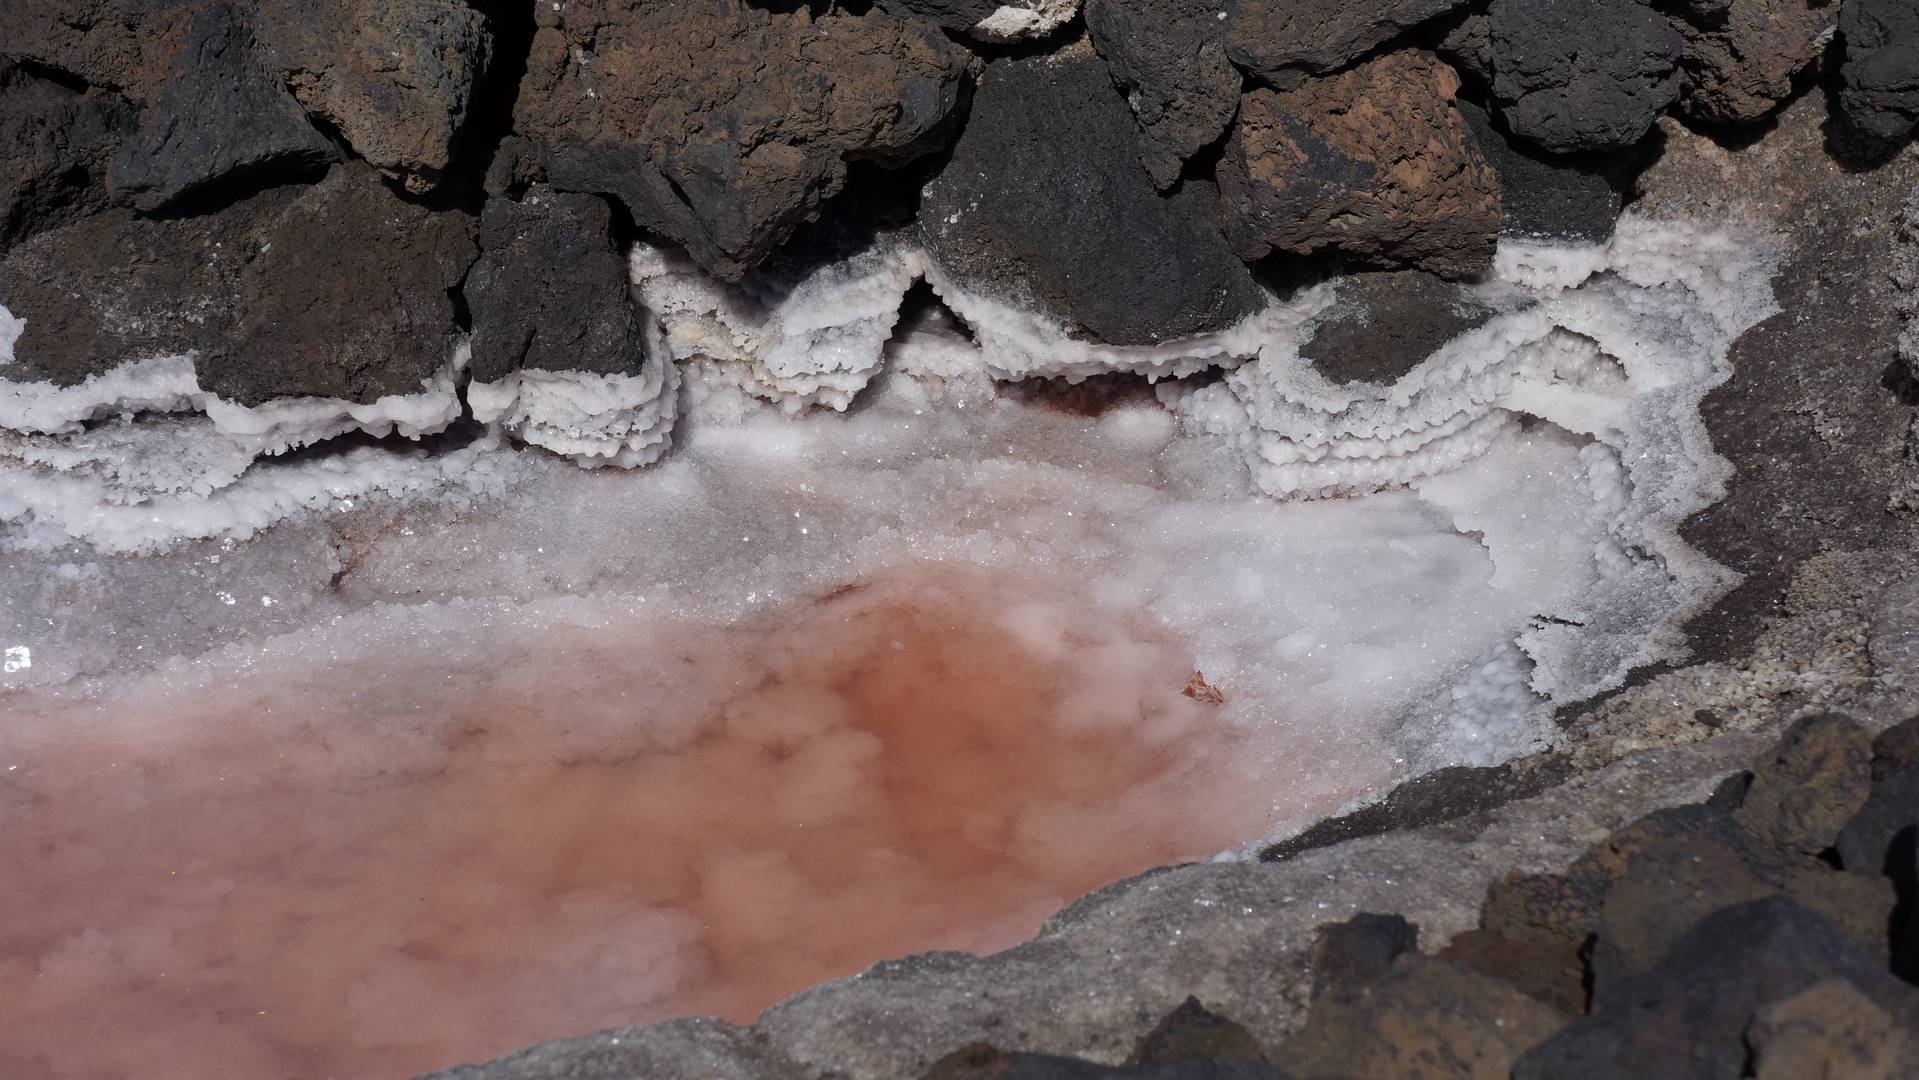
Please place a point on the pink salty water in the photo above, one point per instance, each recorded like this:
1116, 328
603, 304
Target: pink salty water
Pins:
373, 867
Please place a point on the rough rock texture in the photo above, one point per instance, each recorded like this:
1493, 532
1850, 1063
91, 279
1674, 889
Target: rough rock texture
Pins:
982, 1062
1550, 971
1741, 56
1427, 1019
55, 143
724, 126
1582, 74
395, 77
550, 291
1194, 1031
335, 290
1348, 955
1167, 58
959, 15
1044, 205
1383, 324
677, 1048
1283, 41
1374, 162
1805, 792
1881, 72
1687, 1016
1543, 196
219, 118
1669, 884
350, 296
125, 45
1829, 1030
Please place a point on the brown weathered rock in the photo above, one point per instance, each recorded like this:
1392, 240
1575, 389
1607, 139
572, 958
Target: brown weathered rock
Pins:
1812, 783
1167, 58
126, 45
723, 126
1895, 748
55, 143
1740, 57
1427, 1020
1346, 956
394, 76
1670, 884
1283, 41
1858, 906
1830, 1030
1374, 162
1194, 1031
1548, 970
350, 296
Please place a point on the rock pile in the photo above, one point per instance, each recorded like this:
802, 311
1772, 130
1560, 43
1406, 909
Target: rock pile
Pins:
1767, 932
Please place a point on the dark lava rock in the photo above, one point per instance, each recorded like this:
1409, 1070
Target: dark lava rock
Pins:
1383, 324
550, 290
1895, 748
1811, 784
1702, 823
125, 45
1830, 1030
1670, 884
118, 286
218, 118
1283, 41
1167, 58
1044, 205
1427, 1018
983, 1062
1374, 162
1582, 74
55, 143
1543, 196
722, 126
959, 15
394, 78
1862, 909
350, 296
1881, 72
335, 290
1687, 1016
1741, 56
1194, 1031
1548, 970
1882, 841
1348, 955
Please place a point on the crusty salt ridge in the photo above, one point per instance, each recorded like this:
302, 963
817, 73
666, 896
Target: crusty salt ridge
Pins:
615, 419
1030, 19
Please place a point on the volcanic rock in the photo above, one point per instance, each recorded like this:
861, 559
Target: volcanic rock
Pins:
1895, 748
1346, 956
1383, 324
1669, 885
982, 1061
395, 77
1548, 970
218, 118
723, 126
350, 296
1194, 1031
1374, 162
1741, 56
1829, 1030
1544, 196
1881, 72
1167, 58
1582, 74
1044, 205
125, 45
960, 15
336, 290
1687, 1016
1810, 786
1283, 41
1427, 1018
550, 291
55, 143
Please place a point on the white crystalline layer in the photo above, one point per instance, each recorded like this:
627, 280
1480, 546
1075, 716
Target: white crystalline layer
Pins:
621, 420
818, 342
1011, 22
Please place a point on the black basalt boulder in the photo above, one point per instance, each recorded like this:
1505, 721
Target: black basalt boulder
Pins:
1881, 72
1582, 74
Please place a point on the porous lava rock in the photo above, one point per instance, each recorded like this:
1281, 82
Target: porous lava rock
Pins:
1284, 41
395, 77
1194, 1031
1549, 197
722, 126
1813, 783
1166, 56
550, 290
219, 117
1382, 325
1688, 1015
1345, 956
125, 45
1426, 1018
1741, 56
350, 296
1582, 74
1829, 1030
1374, 162
1881, 72
341, 289
1044, 205
55, 143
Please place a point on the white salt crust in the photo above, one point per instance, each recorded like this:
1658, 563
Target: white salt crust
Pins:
1036, 18
620, 420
